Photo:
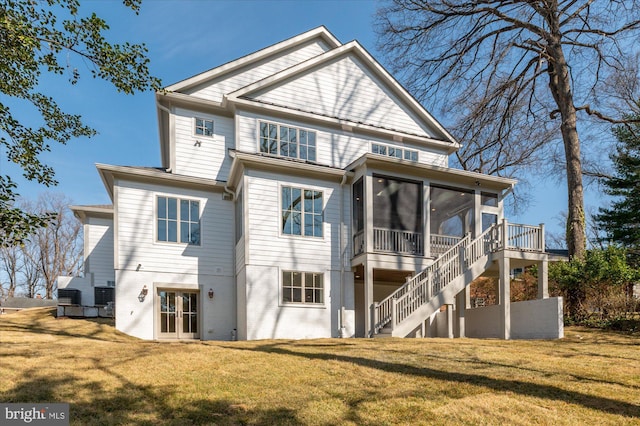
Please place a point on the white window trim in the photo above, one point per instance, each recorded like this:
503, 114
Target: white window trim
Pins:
388, 145
302, 305
155, 219
278, 123
301, 237
195, 127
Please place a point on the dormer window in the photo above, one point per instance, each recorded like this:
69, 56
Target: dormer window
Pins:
203, 127
287, 141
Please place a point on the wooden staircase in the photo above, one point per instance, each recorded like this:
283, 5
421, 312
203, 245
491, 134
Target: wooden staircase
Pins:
421, 296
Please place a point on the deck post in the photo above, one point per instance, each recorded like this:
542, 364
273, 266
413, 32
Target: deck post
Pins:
376, 318
505, 233
543, 279
394, 310
542, 241
505, 296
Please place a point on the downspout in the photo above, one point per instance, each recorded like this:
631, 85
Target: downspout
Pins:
168, 111
342, 331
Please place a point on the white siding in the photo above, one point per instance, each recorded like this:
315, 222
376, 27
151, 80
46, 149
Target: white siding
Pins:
214, 90
267, 246
348, 90
270, 253
138, 316
202, 156
98, 250
268, 319
136, 219
335, 148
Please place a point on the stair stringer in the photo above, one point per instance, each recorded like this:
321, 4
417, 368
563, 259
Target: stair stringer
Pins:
445, 296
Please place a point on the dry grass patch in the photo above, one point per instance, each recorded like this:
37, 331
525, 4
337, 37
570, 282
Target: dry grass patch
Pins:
109, 378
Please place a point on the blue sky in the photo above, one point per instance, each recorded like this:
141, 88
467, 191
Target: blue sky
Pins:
185, 38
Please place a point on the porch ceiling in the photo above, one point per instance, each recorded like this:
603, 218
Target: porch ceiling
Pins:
386, 275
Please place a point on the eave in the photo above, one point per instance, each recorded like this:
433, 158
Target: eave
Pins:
109, 173
443, 174
243, 160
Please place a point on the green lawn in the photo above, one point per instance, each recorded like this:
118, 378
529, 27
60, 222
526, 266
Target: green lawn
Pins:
590, 377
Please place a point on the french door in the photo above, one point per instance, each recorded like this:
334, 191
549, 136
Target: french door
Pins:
178, 314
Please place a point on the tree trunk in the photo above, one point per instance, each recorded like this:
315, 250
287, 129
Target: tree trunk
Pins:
560, 84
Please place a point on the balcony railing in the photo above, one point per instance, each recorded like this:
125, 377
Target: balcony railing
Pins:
396, 241
519, 237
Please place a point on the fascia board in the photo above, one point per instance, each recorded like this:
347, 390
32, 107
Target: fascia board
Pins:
153, 176
191, 102
432, 171
363, 55
321, 32
82, 212
246, 160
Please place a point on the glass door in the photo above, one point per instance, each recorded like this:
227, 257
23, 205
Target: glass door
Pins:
178, 314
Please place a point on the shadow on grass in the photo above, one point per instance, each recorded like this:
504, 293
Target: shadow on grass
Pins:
133, 404
42, 324
606, 405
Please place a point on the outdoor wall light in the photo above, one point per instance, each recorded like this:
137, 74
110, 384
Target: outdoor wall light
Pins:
143, 293
211, 293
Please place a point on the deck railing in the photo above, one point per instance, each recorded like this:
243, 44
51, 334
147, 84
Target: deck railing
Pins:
396, 241
419, 289
442, 243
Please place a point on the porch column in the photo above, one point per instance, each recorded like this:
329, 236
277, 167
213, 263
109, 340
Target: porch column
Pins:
543, 279
450, 321
368, 300
461, 307
505, 296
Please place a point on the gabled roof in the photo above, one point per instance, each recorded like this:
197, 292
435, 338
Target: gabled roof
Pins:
244, 95
319, 32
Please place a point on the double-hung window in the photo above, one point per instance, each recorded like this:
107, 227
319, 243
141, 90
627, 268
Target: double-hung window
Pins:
178, 220
302, 287
301, 212
287, 141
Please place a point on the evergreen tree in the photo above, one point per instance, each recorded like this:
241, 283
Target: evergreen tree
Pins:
621, 222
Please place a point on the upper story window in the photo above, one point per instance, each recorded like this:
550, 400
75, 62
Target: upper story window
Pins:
394, 151
178, 220
287, 141
203, 127
301, 212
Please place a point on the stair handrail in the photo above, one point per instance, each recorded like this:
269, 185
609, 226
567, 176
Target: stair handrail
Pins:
434, 278
383, 308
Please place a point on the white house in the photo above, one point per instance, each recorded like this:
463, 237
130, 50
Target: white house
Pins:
304, 193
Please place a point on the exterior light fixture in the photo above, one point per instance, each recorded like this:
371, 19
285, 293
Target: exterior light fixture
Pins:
143, 293
211, 293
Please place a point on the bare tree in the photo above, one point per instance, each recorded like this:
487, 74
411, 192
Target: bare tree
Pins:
516, 74
58, 248
11, 268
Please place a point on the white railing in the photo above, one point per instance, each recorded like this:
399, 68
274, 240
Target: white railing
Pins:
442, 243
524, 237
383, 310
419, 289
395, 241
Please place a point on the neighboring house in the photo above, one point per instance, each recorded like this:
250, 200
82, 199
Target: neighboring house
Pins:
304, 193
